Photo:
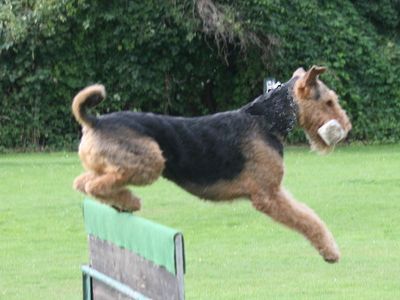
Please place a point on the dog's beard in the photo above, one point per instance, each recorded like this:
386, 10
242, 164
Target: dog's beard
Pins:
318, 145
327, 136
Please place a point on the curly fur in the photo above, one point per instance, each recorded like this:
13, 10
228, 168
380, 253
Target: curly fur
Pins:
225, 156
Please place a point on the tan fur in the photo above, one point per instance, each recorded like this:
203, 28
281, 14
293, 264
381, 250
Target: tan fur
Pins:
313, 113
263, 170
141, 167
281, 207
261, 183
111, 167
81, 98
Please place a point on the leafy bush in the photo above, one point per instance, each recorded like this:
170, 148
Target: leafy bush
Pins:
190, 58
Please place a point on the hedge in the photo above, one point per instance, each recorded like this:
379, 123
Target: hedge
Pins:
190, 58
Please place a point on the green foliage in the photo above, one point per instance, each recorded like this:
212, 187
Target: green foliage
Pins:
385, 14
163, 56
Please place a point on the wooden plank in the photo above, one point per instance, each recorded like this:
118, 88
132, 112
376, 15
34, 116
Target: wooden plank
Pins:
93, 274
127, 267
149, 239
104, 292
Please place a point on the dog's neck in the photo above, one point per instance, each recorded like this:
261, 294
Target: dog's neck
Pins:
277, 110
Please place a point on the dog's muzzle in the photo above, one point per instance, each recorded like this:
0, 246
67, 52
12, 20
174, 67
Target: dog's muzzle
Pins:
332, 132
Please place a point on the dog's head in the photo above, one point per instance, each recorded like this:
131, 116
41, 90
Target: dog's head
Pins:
319, 111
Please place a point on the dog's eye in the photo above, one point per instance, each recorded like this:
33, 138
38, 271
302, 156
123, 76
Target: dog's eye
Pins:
329, 103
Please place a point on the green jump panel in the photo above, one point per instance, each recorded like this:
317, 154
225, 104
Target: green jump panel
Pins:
148, 239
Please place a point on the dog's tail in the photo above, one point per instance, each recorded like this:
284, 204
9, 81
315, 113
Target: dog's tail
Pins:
87, 98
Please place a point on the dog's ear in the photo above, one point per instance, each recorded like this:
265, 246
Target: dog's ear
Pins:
299, 72
311, 76
308, 80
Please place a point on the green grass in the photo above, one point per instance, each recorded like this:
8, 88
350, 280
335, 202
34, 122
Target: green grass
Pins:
232, 251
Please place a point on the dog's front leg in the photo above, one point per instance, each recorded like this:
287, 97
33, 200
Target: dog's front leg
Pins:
281, 207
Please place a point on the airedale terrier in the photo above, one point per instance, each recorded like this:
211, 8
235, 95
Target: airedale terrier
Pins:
225, 156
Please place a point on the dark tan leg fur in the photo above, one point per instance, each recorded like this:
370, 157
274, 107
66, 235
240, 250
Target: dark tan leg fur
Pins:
109, 189
284, 209
111, 168
81, 180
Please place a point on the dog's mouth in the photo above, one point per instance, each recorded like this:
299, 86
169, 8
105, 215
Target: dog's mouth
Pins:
327, 136
331, 132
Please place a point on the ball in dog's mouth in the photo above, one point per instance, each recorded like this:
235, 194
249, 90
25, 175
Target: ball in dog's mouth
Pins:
331, 132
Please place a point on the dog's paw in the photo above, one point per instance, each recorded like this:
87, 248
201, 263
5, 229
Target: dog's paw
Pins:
133, 205
129, 203
79, 185
331, 254
333, 258
120, 210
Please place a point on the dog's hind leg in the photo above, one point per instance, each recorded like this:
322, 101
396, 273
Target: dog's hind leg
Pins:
281, 207
81, 180
110, 189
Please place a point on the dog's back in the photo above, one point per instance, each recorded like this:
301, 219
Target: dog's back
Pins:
198, 150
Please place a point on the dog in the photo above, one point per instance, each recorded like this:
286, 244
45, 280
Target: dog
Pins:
224, 156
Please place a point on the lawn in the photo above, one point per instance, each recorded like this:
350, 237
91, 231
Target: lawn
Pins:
232, 251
